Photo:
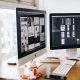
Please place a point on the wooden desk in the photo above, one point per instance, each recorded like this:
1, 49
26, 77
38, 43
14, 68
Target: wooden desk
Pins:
74, 73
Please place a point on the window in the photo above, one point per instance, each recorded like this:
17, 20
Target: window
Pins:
8, 34
28, 2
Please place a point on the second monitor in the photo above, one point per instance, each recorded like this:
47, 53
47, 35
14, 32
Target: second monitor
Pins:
65, 31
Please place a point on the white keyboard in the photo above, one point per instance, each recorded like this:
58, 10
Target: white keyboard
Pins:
62, 70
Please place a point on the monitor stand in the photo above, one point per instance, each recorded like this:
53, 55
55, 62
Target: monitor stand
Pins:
72, 53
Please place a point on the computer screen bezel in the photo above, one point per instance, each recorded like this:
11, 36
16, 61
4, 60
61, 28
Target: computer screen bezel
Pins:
61, 14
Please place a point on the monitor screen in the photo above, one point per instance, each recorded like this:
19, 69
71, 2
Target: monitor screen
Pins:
64, 30
30, 31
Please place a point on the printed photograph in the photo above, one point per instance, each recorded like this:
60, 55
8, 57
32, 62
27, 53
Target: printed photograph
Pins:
42, 21
36, 21
24, 35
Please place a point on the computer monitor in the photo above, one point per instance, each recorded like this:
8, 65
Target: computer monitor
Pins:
30, 34
65, 32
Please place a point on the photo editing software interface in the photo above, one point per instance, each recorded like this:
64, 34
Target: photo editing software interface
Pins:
64, 30
30, 31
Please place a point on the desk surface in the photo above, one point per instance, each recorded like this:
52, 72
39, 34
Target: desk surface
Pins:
74, 73
12, 72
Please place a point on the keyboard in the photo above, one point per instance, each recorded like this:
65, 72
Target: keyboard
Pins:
62, 70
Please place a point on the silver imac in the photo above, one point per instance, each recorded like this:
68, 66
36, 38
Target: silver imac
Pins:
30, 34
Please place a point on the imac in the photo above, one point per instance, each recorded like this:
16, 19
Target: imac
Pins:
65, 32
30, 34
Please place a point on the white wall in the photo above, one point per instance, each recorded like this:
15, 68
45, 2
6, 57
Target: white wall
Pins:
58, 6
